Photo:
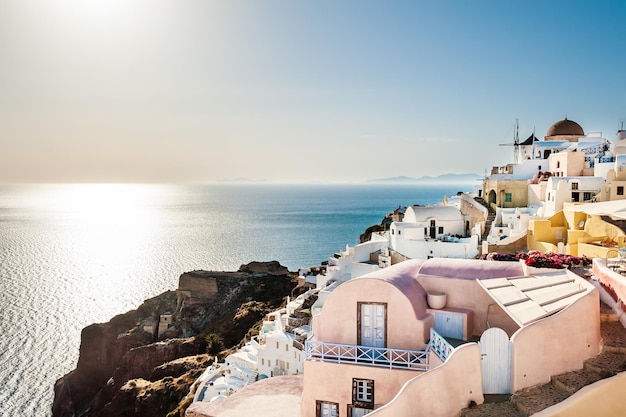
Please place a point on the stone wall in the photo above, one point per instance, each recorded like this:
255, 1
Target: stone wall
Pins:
198, 284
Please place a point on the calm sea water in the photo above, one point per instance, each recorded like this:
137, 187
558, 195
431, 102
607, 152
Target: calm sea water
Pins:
72, 255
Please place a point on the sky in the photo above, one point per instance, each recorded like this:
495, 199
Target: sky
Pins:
296, 91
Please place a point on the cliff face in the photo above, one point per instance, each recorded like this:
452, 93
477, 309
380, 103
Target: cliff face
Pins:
126, 369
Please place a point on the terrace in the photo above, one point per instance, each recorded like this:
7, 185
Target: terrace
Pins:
381, 357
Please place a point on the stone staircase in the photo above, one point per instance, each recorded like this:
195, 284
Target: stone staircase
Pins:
526, 402
491, 216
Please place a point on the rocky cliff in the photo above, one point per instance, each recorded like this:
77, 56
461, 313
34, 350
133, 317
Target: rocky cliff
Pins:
131, 366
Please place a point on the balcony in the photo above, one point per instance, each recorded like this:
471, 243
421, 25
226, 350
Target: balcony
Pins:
440, 345
365, 355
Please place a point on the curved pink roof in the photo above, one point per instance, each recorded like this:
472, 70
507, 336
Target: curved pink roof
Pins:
402, 276
470, 268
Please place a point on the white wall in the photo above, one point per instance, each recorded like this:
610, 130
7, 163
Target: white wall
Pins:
466, 248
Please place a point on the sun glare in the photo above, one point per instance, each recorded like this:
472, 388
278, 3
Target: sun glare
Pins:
112, 224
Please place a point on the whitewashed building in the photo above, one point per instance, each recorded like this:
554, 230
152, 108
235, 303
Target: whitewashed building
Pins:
433, 231
560, 190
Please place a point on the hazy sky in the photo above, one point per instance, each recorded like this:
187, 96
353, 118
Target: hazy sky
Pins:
288, 90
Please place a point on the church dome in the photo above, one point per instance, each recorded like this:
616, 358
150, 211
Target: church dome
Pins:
565, 127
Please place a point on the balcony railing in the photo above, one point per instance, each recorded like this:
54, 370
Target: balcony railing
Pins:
439, 345
366, 355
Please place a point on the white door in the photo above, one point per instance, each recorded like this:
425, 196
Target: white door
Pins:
495, 361
372, 325
449, 325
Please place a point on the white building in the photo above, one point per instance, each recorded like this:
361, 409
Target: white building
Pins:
560, 190
433, 231
277, 352
511, 223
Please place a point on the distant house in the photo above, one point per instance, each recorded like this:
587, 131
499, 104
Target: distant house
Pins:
378, 346
435, 231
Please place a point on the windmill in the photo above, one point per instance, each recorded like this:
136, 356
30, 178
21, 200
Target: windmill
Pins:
516, 151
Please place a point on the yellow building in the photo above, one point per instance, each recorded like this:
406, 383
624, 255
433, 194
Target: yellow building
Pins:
579, 230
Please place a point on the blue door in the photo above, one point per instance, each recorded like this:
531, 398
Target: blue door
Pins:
449, 325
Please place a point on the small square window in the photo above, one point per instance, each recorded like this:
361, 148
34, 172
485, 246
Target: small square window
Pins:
620, 190
574, 186
508, 197
363, 392
326, 409
440, 230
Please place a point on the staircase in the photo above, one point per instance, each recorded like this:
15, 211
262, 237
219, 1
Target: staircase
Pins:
526, 402
252, 378
490, 216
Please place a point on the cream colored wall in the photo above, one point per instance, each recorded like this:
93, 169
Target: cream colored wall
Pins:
593, 251
537, 192
542, 236
572, 164
473, 212
595, 226
612, 190
517, 188
605, 398
556, 344
337, 322
443, 391
325, 381
468, 294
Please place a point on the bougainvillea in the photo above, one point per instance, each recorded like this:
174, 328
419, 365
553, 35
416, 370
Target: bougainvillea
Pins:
539, 259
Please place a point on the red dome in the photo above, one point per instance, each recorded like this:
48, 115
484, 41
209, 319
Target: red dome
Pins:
565, 127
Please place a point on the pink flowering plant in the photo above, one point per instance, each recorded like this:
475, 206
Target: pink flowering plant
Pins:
540, 260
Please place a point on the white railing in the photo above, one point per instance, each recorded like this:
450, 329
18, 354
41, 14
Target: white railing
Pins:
439, 345
366, 355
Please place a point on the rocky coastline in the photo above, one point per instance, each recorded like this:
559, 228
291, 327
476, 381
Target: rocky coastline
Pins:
144, 362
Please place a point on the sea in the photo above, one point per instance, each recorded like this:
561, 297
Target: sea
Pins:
76, 254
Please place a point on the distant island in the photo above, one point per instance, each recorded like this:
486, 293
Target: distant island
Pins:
441, 179
242, 180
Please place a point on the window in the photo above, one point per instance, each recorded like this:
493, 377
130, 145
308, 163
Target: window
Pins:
508, 197
393, 231
276, 345
286, 347
586, 196
620, 190
326, 409
357, 412
574, 186
363, 393
263, 361
440, 230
